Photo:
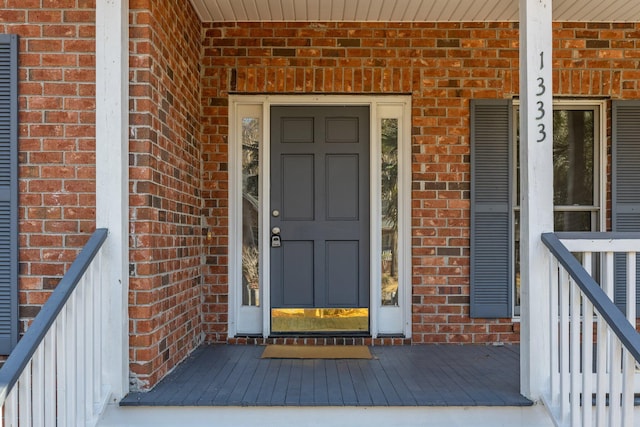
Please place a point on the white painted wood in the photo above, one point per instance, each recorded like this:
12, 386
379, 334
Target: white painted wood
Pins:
534, 416
112, 180
536, 163
628, 376
50, 376
574, 353
89, 355
587, 350
62, 332
410, 10
392, 320
243, 319
631, 284
554, 333
24, 396
37, 391
603, 345
601, 245
11, 409
628, 362
95, 282
615, 381
564, 346
79, 301
70, 352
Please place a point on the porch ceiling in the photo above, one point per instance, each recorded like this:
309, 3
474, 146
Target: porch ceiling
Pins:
408, 10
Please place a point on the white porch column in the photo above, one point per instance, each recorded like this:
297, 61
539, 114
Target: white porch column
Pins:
112, 176
536, 192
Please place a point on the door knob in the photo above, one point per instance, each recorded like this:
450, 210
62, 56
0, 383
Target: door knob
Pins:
275, 230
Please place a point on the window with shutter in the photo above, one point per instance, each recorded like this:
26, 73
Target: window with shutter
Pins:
491, 214
625, 187
8, 192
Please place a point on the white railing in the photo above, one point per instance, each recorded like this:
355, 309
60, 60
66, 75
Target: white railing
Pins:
594, 346
54, 376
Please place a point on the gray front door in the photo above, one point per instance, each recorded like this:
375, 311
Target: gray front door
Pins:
320, 204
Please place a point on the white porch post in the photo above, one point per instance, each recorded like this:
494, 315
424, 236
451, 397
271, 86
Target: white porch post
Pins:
536, 192
112, 176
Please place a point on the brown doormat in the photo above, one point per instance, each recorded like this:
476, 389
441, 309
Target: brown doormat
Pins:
316, 352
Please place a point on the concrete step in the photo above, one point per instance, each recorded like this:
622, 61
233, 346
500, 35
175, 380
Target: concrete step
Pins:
531, 416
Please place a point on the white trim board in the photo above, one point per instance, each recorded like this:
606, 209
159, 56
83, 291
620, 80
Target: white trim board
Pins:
247, 320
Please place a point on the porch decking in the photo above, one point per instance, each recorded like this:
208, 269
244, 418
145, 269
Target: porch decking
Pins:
424, 375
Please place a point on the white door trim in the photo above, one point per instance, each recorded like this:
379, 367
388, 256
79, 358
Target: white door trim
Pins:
244, 320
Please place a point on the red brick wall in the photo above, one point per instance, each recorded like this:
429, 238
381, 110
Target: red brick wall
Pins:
443, 66
57, 139
165, 183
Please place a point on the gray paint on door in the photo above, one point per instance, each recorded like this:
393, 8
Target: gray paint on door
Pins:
320, 186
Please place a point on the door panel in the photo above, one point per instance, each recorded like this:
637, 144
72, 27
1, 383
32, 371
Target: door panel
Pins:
298, 187
297, 273
342, 187
341, 272
320, 202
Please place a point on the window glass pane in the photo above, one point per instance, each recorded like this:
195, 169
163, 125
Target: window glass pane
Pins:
575, 166
389, 258
573, 157
250, 209
516, 262
573, 221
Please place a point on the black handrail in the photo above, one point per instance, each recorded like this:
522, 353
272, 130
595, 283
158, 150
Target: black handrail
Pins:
26, 347
606, 308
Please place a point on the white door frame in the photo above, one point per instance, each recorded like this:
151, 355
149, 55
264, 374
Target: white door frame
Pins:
384, 320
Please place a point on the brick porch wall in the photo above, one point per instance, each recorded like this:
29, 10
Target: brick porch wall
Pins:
443, 66
165, 186
57, 139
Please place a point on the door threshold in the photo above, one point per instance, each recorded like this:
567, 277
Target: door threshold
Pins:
305, 339
329, 335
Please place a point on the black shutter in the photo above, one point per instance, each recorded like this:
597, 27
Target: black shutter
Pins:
491, 218
625, 188
8, 192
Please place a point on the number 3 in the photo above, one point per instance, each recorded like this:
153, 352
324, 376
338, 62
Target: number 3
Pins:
542, 87
543, 133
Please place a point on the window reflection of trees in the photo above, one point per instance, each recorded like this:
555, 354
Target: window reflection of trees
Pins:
250, 209
389, 259
574, 173
573, 163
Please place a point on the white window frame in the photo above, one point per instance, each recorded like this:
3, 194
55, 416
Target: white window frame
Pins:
384, 320
600, 179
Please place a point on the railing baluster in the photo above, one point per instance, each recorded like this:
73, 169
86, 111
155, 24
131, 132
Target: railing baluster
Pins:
24, 396
87, 303
564, 345
81, 346
11, 408
555, 362
628, 369
603, 346
574, 352
96, 313
37, 388
587, 351
615, 379
50, 377
72, 345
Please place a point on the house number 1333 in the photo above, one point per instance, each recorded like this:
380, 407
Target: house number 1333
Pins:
542, 132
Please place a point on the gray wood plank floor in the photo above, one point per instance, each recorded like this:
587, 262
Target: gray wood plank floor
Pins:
420, 375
